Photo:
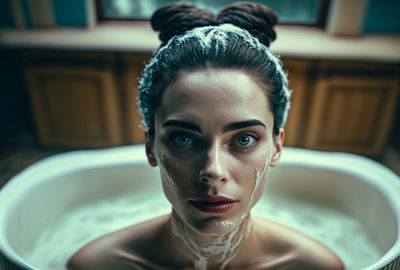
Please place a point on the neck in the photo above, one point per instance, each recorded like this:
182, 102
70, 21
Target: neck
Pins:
210, 250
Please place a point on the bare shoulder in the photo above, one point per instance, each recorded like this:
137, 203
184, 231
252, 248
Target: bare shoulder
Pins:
301, 251
118, 250
316, 255
95, 255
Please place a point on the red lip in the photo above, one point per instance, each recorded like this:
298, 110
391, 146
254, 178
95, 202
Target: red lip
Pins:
211, 204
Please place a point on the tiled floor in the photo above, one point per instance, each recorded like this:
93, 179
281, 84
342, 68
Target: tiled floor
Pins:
24, 152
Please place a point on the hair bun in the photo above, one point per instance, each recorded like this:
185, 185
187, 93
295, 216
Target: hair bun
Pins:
176, 18
256, 18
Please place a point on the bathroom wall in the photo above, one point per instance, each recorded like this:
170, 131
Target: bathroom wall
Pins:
381, 16
44, 13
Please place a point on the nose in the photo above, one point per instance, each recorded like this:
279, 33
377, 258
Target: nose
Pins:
215, 168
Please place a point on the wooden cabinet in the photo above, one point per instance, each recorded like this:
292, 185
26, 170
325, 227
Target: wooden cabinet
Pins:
352, 114
352, 107
298, 74
89, 100
74, 99
134, 64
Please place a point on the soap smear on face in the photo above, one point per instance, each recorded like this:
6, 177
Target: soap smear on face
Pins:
259, 176
167, 176
345, 235
224, 246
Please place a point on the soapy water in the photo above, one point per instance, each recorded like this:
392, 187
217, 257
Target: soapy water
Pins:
342, 233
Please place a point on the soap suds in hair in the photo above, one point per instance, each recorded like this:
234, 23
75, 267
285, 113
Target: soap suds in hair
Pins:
210, 37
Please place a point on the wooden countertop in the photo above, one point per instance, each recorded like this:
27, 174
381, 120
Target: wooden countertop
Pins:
292, 41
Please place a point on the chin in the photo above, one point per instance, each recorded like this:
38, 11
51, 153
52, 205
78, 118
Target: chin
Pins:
213, 226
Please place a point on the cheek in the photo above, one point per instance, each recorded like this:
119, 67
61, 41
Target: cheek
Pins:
258, 192
168, 177
174, 175
259, 179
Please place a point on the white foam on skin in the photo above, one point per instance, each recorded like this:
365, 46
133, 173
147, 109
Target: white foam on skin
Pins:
224, 246
168, 178
259, 178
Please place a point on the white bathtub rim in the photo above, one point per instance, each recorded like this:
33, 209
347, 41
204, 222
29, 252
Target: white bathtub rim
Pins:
73, 161
391, 188
129, 155
83, 159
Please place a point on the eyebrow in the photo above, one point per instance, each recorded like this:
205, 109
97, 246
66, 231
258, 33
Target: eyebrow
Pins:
228, 128
243, 124
181, 124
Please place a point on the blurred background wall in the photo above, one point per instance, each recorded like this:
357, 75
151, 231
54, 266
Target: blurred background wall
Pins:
49, 13
380, 16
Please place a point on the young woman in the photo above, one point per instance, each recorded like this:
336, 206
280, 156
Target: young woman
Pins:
214, 101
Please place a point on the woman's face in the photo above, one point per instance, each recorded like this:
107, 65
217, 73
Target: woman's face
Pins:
213, 143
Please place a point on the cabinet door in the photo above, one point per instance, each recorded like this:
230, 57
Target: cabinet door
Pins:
74, 106
298, 75
134, 134
352, 114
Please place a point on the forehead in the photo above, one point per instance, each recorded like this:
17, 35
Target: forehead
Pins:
213, 93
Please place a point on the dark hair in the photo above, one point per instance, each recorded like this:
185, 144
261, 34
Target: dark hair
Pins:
236, 38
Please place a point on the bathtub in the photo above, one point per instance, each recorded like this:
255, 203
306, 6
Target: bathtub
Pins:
316, 186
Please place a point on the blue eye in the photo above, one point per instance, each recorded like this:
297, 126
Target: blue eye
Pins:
182, 140
245, 141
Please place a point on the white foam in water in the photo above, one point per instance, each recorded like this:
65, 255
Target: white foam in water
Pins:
343, 234
58, 241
